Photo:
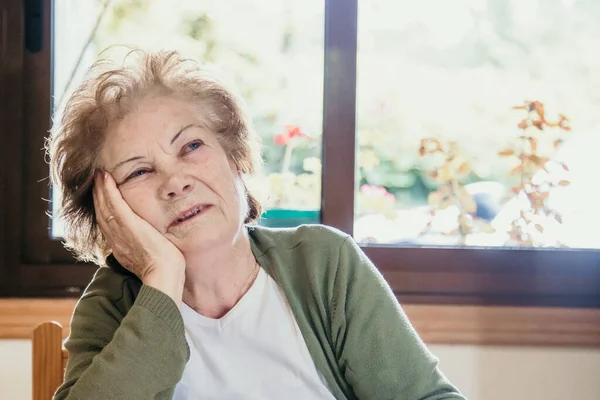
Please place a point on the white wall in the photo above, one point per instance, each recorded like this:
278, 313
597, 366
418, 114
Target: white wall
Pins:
522, 373
15, 369
482, 373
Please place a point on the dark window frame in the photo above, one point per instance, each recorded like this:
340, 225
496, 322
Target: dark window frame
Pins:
34, 265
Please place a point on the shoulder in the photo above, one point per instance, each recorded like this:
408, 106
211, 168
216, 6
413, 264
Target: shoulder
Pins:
301, 238
308, 252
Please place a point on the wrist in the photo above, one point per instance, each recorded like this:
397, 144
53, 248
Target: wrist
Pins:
169, 282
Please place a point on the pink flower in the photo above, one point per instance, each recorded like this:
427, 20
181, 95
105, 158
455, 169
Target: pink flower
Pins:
281, 139
377, 198
377, 192
374, 191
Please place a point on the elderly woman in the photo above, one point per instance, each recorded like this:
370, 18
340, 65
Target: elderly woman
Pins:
192, 300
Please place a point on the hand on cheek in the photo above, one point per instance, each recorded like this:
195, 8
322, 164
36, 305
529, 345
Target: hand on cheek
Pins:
135, 243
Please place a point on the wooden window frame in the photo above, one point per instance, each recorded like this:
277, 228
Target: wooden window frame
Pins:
31, 264
34, 265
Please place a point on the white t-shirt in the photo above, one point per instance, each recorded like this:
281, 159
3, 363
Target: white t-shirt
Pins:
256, 351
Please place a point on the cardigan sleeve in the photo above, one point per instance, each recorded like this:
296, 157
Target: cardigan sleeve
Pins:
379, 351
139, 355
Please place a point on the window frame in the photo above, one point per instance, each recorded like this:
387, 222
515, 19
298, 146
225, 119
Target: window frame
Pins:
35, 265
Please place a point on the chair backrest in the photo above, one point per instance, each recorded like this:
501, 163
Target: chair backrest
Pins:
49, 360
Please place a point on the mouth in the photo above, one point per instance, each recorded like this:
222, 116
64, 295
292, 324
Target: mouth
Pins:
189, 214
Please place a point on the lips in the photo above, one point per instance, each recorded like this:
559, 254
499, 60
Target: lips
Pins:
189, 213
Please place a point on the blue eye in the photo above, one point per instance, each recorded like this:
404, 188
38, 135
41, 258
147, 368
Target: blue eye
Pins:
195, 145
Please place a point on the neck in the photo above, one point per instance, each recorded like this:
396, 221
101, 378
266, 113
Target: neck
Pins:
216, 280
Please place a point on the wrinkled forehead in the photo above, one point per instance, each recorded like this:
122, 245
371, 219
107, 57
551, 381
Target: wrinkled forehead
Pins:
151, 121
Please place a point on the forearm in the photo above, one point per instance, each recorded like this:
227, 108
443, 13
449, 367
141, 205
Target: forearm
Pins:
145, 356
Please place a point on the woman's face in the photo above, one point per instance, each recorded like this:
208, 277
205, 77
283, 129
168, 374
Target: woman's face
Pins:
175, 174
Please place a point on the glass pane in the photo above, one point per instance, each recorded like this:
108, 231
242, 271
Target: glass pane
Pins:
478, 123
271, 50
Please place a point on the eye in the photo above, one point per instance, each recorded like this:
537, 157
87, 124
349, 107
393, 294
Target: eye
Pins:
192, 146
138, 173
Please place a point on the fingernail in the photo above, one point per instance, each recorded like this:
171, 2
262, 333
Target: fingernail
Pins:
105, 175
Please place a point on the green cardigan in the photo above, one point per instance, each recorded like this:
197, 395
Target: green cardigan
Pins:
127, 339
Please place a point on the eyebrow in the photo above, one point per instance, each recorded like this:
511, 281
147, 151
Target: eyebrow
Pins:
180, 132
175, 137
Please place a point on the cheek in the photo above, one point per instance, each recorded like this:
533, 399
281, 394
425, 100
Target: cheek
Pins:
228, 184
214, 171
140, 203
221, 180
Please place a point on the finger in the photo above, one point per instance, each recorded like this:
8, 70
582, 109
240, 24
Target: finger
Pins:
115, 204
99, 199
99, 207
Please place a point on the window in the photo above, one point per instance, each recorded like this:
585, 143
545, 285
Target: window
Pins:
447, 83
365, 82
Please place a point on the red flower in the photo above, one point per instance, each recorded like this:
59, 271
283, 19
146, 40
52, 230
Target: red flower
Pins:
292, 131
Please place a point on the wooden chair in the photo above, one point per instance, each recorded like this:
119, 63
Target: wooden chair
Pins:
49, 360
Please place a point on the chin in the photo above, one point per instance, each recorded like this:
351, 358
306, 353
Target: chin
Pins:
200, 240
206, 238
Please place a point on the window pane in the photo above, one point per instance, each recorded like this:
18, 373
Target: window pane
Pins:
445, 157
271, 50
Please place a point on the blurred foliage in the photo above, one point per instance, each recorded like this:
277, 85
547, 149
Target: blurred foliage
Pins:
124, 11
533, 152
459, 69
201, 29
448, 166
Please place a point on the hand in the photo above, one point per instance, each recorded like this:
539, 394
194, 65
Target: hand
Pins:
136, 244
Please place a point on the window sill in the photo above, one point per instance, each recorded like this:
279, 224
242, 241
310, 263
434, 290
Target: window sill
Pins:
20, 316
437, 324
509, 326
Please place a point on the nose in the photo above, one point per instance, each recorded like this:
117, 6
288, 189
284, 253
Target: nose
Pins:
176, 184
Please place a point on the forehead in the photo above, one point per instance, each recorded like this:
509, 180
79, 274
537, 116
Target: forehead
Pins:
152, 117
151, 120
